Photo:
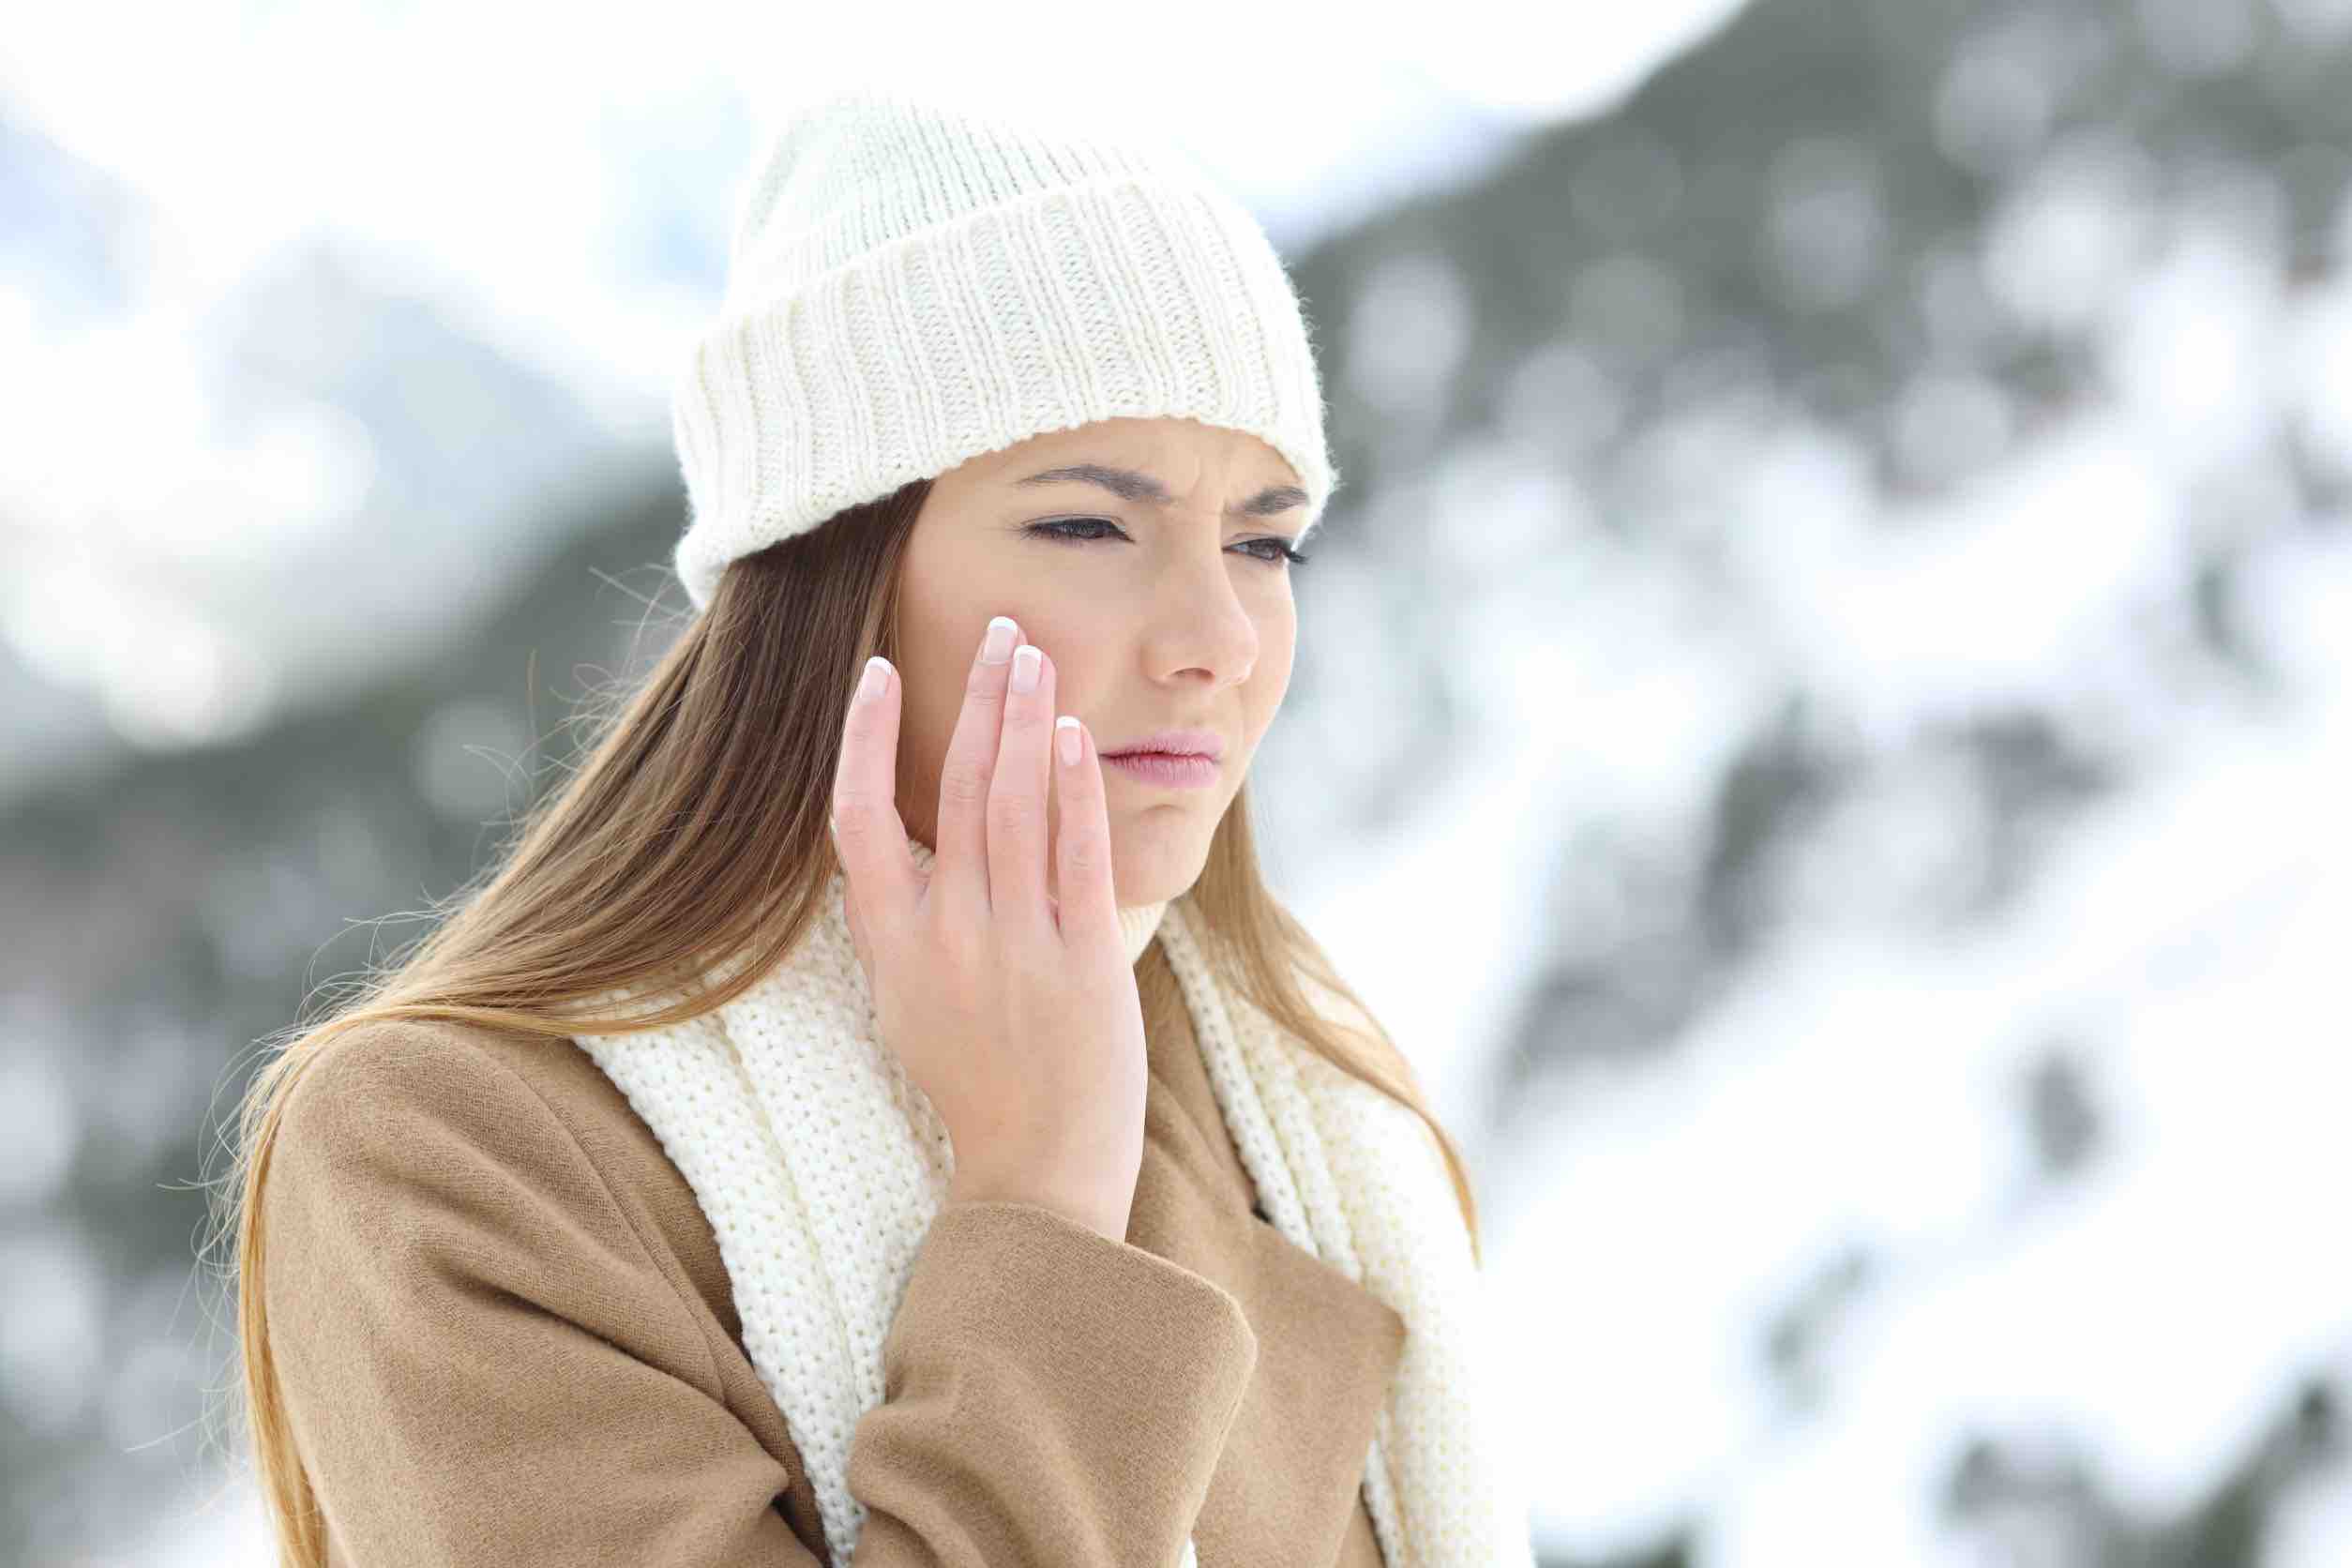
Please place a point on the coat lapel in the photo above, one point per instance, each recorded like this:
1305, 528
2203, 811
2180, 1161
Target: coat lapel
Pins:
1327, 1348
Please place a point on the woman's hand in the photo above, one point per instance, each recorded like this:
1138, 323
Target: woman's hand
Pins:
1015, 1011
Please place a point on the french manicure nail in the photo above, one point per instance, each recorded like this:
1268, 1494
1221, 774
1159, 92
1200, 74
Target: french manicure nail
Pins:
999, 644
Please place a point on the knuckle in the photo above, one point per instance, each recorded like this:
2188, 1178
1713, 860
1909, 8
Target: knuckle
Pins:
853, 816
961, 953
1081, 848
962, 781
1013, 809
981, 689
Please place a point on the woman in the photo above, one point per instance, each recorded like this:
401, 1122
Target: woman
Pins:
849, 1124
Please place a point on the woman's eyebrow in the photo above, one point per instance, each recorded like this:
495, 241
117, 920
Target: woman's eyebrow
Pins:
1130, 485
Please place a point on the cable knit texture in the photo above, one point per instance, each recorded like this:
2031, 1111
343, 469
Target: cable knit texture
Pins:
913, 284
821, 1166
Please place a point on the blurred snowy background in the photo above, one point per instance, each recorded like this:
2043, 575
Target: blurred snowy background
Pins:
1822, 718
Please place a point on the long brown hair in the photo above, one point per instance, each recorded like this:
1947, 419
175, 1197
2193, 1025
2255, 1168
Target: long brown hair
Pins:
696, 826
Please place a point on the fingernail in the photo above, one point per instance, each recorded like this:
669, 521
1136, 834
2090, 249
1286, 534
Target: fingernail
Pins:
1026, 660
1068, 739
998, 645
870, 683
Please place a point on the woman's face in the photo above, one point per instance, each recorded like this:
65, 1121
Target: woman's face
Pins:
1176, 615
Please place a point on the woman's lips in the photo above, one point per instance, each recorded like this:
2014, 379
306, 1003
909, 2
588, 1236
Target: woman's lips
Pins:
1166, 769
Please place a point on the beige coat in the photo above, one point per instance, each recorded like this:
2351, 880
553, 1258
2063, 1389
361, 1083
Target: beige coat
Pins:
505, 1336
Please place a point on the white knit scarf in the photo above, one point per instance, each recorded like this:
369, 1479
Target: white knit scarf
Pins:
821, 1168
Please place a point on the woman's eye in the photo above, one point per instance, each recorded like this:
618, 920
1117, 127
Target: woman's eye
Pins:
1275, 551
1282, 552
1056, 530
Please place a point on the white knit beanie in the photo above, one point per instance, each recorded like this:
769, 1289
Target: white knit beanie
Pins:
912, 283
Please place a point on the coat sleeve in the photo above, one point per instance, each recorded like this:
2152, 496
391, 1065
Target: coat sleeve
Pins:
481, 1361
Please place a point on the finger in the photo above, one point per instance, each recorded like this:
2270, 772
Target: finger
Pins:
867, 833
1089, 903
857, 929
1016, 798
959, 870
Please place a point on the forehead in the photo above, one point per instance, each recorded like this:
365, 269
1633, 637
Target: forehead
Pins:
1170, 450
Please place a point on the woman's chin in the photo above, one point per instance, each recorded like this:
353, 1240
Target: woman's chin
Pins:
1150, 868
